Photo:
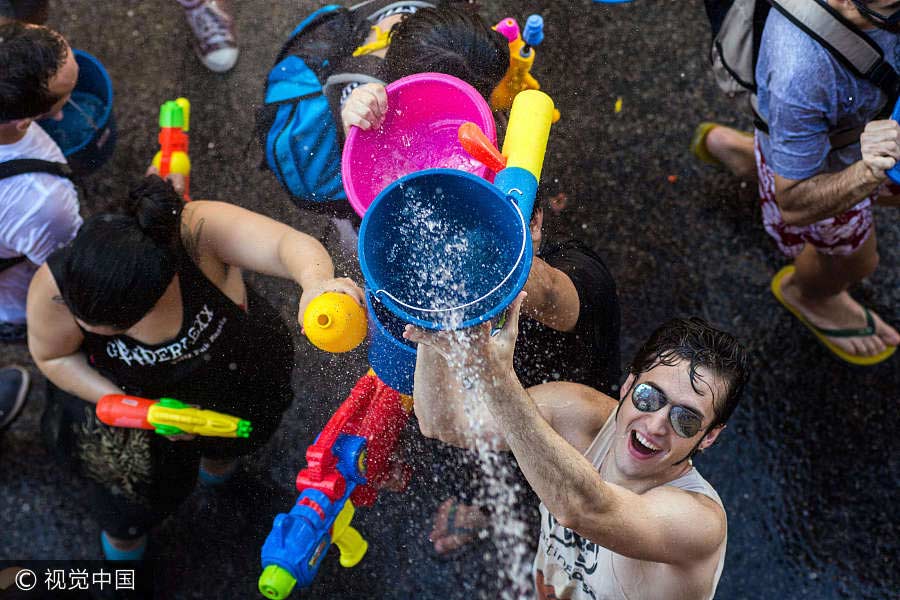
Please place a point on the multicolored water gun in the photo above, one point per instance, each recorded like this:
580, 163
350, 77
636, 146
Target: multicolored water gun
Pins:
518, 76
526, 138
351, 456
334, 322
174, 120
168, 417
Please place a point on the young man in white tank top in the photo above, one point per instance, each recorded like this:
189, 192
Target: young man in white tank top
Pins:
624, 512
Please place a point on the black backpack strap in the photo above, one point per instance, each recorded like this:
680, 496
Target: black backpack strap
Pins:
853, 48
6, 263
20, 166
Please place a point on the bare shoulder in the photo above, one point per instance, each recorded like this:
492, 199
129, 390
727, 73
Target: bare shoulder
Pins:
52, 330
704, 513
43, 285
195, 228
576, 412
45, 299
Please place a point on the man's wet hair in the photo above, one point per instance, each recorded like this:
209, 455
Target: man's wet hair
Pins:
702, 346
120, 264
30, 56
451, 40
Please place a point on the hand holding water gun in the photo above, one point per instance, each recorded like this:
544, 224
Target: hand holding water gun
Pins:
334, 322
174, 120
518, 76
894, 172
168, 417
351, 456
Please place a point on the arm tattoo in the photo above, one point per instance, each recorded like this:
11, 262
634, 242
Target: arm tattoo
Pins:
191, 239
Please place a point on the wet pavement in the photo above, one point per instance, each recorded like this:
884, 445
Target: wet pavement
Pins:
806, 468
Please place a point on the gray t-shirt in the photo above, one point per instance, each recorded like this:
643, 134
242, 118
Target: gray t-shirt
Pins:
805, 93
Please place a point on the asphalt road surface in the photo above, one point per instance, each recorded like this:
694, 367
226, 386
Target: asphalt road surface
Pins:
806, 467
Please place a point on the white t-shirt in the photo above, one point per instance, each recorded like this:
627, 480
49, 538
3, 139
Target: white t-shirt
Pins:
38, 214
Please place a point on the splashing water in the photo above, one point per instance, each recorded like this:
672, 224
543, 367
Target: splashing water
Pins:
404, 156
498, 486
435, 260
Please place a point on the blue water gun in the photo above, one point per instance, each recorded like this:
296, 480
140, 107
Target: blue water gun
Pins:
894, 173
350, 458
300, 539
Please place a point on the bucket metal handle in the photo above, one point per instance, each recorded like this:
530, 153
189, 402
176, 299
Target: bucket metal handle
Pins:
476, 301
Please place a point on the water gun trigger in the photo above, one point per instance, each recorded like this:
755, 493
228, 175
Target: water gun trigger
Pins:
479, 147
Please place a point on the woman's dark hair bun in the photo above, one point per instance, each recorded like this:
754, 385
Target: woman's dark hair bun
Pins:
156, 207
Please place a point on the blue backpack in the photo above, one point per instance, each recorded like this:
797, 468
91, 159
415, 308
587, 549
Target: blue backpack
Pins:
298, 123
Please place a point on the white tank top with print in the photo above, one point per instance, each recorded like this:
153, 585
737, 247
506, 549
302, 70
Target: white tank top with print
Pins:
568, 566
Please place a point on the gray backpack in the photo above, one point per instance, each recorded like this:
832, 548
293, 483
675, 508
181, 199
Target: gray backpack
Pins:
737, 29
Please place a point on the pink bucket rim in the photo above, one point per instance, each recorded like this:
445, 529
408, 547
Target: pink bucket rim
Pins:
484, 112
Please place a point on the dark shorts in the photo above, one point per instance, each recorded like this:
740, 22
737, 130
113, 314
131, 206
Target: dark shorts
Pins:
32, 11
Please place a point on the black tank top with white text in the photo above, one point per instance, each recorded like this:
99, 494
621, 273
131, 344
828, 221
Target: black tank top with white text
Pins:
221, 348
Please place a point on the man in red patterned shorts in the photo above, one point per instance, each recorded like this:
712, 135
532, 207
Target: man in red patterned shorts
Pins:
816, 194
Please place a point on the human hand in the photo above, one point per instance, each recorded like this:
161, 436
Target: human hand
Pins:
365, 108
342, 285
880, 146
176, 179
477, 351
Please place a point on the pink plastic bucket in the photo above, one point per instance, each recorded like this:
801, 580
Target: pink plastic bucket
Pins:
419, 132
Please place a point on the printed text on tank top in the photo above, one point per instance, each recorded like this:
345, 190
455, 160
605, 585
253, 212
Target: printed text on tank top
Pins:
197, 330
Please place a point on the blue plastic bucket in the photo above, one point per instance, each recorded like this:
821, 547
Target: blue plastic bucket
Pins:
391, 357
87, 132
444, 249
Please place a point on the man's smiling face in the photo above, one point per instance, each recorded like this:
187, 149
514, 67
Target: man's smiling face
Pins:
646, 444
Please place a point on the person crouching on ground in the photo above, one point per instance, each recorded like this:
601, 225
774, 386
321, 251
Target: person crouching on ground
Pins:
624, 512
153, 302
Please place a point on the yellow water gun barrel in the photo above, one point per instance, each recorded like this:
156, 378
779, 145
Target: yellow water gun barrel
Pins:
171, 417
528, 131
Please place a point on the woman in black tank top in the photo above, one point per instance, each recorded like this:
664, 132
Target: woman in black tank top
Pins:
152, 303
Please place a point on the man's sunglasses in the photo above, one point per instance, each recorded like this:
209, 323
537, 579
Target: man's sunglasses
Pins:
867, 12
648, 398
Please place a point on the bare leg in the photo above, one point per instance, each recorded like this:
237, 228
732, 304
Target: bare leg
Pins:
818, 289
734, 149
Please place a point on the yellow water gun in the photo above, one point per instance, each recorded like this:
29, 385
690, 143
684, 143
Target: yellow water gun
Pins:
168, 416
518, 76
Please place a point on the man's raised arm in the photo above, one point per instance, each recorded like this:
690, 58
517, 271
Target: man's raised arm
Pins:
661, 525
